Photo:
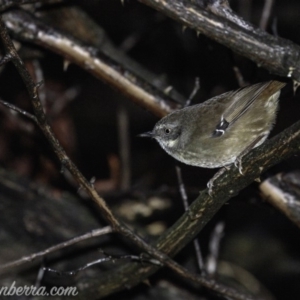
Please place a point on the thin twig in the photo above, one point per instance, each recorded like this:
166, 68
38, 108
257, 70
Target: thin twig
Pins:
40, 275
214, 248
182, 189
19, 110
75, 240
124, 148
108, 257
266, 14
274, 27
239, 77
39, 77
22, 124
194, 92
184, 198
199, 256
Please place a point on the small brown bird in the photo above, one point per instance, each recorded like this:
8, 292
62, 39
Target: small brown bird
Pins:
221, 130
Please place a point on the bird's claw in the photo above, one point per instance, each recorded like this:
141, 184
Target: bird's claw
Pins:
210, 186
238, 164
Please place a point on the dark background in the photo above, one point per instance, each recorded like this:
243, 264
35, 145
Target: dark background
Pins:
257, 236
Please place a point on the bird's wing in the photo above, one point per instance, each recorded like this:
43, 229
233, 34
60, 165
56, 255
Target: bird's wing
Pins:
242, 100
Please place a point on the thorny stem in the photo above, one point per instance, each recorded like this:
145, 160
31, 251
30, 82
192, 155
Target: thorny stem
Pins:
277, 55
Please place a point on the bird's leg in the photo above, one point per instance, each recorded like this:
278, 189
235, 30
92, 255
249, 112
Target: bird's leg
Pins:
238, 160
210, 184
238, 164
226, 167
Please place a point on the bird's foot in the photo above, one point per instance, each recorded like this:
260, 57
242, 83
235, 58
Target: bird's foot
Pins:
210, 184
238, 164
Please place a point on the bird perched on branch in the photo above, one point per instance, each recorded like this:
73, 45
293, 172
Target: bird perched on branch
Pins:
221, 130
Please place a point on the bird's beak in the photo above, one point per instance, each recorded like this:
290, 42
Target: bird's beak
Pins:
147, 134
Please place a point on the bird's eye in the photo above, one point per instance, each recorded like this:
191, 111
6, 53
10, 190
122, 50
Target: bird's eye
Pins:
167, 130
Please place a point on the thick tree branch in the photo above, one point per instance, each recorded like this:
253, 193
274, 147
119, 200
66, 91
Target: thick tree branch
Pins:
282, 191
278, 55
26, 27
273, 151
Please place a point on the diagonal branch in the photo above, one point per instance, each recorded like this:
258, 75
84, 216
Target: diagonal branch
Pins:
75, 240
28, 28
278, 55
201, 211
